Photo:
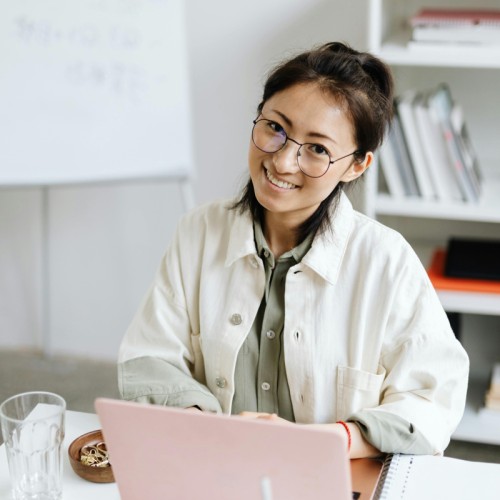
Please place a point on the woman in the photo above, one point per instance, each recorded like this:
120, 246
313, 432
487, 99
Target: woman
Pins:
289, 305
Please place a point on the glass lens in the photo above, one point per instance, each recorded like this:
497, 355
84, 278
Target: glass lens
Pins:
313, 160
268, 136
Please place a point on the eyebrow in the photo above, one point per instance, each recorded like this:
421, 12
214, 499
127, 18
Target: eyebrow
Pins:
311, 134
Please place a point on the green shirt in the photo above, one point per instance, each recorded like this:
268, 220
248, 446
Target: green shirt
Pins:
260, 377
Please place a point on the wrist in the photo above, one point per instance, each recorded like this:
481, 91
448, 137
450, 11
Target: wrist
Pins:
348, 432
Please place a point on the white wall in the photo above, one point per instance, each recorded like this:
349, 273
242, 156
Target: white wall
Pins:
106, 241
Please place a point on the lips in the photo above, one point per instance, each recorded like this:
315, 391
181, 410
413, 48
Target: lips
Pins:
276, 182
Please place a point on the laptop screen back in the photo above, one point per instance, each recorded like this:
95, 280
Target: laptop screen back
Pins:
159, 453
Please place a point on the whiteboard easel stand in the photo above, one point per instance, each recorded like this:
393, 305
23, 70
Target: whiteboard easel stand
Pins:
43, 340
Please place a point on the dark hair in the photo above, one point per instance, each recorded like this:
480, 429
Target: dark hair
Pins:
359, 81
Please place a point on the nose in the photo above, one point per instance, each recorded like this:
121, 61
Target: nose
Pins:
285, 160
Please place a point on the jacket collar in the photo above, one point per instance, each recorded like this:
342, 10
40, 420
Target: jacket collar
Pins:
327, 250
241, 239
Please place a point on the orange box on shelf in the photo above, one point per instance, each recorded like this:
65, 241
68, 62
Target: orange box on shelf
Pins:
442, 282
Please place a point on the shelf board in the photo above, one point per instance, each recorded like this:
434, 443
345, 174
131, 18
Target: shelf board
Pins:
416, 207
475, 425
395, 50
470, 302
486, 210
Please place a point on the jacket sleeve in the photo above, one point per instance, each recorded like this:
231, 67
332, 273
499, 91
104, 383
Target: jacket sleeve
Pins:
153, 380
423, 394
425, 388
160, 359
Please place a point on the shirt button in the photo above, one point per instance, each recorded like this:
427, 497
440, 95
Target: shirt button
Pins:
236, 319
265, 386
270, 335
266, 253
220, 382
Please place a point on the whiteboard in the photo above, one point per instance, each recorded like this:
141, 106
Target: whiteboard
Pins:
93, 90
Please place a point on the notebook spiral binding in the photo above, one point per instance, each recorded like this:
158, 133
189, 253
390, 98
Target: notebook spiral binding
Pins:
389, 470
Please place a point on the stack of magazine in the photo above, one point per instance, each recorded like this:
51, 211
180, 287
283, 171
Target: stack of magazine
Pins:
427, 152
455, 26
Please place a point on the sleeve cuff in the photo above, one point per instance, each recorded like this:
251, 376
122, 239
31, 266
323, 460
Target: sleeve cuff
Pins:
391, 433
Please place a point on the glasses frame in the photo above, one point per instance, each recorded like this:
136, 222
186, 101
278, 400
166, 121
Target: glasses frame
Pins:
288, 138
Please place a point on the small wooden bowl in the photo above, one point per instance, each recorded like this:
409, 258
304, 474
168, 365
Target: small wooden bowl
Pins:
94, 474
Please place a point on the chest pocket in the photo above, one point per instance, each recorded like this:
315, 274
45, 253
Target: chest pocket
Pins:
357, 389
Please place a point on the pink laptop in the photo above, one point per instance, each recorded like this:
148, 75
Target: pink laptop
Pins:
167, 453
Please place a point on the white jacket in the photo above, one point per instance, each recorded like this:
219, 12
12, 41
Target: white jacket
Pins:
364, 329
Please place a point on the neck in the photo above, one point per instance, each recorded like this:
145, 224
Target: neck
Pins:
281, 235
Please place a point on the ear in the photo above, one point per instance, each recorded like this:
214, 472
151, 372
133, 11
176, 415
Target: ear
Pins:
357, 168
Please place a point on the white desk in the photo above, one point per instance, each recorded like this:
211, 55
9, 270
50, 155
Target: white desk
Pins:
74, 488
364, 472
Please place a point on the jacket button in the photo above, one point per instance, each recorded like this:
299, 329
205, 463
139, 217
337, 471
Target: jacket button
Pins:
236, 319
270, 335
220, 382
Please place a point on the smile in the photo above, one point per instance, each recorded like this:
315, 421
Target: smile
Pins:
278, 183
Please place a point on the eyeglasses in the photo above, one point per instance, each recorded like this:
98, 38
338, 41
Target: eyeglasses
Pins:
314, 160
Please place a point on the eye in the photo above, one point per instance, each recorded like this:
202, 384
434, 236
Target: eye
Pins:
317, 149
276, 127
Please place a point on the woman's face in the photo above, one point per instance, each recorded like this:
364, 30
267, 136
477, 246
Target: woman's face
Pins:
307, 115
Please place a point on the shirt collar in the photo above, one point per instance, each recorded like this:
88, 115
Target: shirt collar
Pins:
327, 249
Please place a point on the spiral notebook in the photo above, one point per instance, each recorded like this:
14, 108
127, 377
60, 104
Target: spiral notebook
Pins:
418, 477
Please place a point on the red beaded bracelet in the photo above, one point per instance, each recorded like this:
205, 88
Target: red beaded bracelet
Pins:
349, 438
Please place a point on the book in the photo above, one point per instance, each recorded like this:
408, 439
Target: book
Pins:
455, 26
440, 281
486, 35
402, 156
452, 16
495, 380
390, 166
405, 111
435, 151
492, 397
466, 147
441, 102
418, 477
492, 403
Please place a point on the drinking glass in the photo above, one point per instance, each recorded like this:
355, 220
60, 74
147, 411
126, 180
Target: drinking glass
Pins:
32, 426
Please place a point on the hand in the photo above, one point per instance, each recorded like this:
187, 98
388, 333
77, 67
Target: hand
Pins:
263, 416
193, 408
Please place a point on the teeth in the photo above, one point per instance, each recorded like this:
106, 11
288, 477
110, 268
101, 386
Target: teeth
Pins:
277, 182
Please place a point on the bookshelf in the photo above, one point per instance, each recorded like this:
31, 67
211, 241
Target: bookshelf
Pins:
473, 67
487, 210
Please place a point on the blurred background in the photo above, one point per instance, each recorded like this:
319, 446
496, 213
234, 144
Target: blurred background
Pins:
61, 330
106, 240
